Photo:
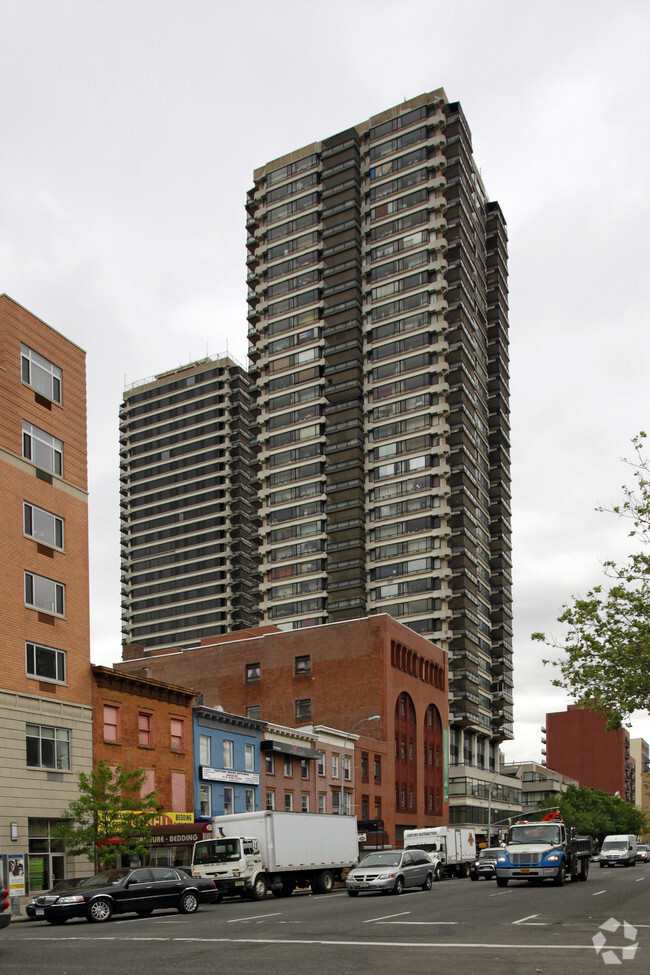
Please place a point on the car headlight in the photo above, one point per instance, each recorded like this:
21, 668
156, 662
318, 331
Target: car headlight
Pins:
71, 899
385, 876
32, 902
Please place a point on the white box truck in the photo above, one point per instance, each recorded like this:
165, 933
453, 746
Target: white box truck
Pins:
451, 848
251, 853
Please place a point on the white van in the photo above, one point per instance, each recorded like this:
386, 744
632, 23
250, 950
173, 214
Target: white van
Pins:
618, 848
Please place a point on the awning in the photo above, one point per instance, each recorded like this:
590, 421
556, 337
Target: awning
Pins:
286, 749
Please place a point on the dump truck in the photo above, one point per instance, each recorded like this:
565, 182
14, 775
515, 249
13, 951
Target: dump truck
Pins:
543, 850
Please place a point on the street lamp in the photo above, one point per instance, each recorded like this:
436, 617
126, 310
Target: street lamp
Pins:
373, 717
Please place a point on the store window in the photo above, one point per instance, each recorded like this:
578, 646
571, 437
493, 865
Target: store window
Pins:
46, 856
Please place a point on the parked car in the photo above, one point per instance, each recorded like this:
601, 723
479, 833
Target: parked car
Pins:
138, 890
5, 916
485, 864
206, 887
643, 853
391, 871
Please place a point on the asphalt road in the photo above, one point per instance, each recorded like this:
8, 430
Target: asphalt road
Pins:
473, 928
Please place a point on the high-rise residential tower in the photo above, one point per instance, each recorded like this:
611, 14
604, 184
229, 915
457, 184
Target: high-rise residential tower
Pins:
189, 553
378, 332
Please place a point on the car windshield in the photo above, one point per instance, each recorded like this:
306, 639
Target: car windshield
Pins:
489, 854
614, 845
388, 859
109, 878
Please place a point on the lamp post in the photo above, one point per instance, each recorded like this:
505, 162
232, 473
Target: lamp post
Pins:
373, 717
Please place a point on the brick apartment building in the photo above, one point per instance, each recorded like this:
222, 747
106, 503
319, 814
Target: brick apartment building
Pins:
45, 700
337, 675
579, 745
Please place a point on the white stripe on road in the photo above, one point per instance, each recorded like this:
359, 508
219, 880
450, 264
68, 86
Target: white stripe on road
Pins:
529, 920
254, 917
386, 917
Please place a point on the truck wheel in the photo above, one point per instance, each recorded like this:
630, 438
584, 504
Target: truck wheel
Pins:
602, 865
584, 873
258, 890
463, 870
560, 876
502, 881
323, 882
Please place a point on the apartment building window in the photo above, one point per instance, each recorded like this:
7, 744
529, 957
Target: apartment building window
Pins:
228, 753
303, 664
205, 802
228, 801
177, 734
47, 747
377, 765
270, 800
249, 758
42, 449
41, 374
336, 801
145, 729
347, 769
288, 765
365, 807
321, 763
111, 723
304, 768
42, 526
46, 663
322, 802
250, 800
269, 764
303, 709
178, 792
288, 802
253, 672
254, 711
335, 766
304, 802
204, 749
44, 594
364, 769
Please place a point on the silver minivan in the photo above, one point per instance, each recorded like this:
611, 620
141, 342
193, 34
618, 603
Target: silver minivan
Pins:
391, 871
618, 849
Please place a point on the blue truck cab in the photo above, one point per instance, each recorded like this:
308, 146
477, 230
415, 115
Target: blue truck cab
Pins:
545, 850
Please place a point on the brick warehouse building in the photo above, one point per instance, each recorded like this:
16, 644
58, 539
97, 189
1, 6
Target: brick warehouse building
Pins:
579, 744
45, 701
337, 675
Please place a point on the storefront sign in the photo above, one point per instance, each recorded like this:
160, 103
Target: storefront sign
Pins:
228, 775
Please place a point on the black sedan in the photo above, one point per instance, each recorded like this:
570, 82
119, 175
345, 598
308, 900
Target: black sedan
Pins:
139, 890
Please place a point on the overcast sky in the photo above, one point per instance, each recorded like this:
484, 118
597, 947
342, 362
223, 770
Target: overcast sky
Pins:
130, 132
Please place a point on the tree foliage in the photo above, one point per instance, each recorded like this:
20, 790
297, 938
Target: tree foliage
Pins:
606, 651
596, 813
109, 817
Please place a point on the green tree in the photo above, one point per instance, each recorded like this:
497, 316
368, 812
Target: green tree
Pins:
596, 813
606, 651
109, 817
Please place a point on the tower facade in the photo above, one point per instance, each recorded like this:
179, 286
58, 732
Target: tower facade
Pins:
45, 698
187, 508
378, 334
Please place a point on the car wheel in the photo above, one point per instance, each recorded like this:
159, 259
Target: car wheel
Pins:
399, 886
144, 911
428, 883
189, 902
602, 866
353, 893
100, 910
473, 876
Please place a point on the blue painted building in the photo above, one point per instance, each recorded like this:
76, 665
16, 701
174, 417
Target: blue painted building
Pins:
226, 763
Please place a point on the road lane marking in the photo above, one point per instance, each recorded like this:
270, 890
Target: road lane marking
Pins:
363, 945
421, 922
254, 917
597, 893
529, 920
386, 917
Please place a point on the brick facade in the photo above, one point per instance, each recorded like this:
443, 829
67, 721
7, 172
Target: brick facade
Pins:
119, 701
336, 675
